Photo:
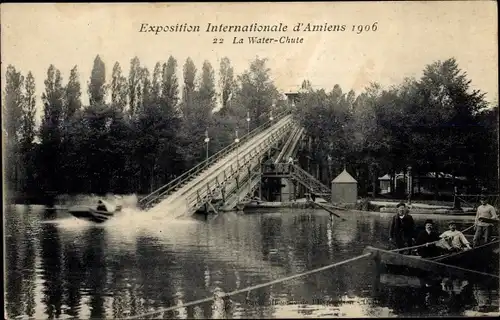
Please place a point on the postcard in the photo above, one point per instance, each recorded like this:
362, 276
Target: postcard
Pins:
260, 160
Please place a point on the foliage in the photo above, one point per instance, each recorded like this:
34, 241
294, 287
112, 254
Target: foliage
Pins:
434, 124
150, 130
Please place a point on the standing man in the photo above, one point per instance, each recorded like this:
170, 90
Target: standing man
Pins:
483, 229
402, 227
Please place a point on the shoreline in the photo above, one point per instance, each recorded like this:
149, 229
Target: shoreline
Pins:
370, 207
364, 205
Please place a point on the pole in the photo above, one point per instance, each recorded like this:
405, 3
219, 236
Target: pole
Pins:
410, 185
237, 140
207, 140
271, 118
248, 122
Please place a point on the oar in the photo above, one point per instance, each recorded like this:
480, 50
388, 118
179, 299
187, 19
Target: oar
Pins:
488, 220
425, 244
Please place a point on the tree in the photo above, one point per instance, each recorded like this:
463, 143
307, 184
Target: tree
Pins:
13, 103
145, 96
69, 153
119, 90
28, 113
50, 129
486, 146
73, 94
189, 73
12, 124
97, 88
205, 95
324, 117
170, 85
133, 83
170, 158
227, 83
27, 136
306, 86
256, 93
156, 85
448, 111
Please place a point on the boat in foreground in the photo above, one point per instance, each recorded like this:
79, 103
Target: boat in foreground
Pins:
91, 213
478, 261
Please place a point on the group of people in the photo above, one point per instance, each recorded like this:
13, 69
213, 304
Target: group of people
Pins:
429, 242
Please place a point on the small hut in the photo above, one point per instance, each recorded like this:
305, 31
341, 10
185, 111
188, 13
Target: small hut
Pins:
344, 188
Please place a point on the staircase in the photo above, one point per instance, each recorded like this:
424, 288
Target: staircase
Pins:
238, 194
310, 182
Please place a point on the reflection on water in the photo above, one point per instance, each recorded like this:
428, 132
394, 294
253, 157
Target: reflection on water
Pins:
62, 267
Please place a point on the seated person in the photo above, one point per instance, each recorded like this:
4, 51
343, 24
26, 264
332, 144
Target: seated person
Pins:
101, 206
453, 240
429, 237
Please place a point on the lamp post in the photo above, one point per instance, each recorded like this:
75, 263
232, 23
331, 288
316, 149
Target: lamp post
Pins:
207, 140
248, 122
410, 185
271, 118
237, 140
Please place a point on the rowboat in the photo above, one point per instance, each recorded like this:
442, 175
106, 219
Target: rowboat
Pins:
478, 261
261, 204
90, 214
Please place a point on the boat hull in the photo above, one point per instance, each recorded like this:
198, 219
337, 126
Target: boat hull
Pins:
481, 260
90, 214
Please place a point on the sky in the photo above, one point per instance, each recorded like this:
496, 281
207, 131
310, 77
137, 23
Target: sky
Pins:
409, 35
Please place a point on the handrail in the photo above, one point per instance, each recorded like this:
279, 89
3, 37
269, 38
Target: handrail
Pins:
310, 177
246, 160
243, 185
206, 163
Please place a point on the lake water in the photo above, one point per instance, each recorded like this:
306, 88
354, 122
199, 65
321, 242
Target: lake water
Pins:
62, 267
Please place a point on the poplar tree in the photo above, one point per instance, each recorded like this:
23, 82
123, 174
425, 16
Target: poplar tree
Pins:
226, 82
12, 108
120, 137
98, 117
170, 159
73, 95
27, 149
133, 83
50, 129
170, 85
119, 90
11, 118
71, 136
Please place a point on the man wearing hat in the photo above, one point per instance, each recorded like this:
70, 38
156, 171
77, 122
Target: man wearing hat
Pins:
429, 237
483, 229
453, 240
402, 227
